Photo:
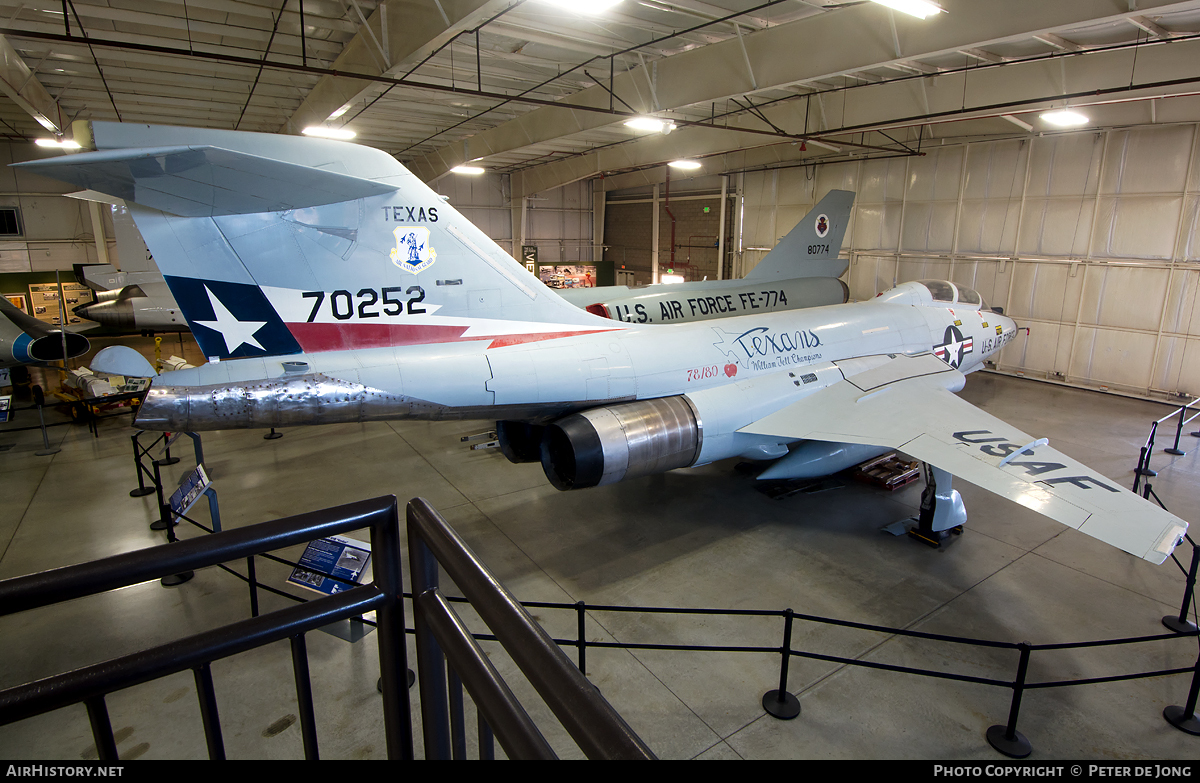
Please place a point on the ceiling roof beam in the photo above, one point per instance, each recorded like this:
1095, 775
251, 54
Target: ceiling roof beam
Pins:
772, 53
1018, 88
423, 30
1143, 23
19, 83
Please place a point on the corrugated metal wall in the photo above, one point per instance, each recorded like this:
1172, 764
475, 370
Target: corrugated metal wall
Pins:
1091, 239
558, 222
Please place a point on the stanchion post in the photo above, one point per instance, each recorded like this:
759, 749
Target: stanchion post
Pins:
1178, 431
1184, 718
47, 449
1181, 624
1007, 739
780, 703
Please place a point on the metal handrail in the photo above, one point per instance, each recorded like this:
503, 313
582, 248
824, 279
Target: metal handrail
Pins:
90, 684
587, 716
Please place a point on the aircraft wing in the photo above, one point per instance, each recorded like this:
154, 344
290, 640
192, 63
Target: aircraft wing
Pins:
907, 404
204, 181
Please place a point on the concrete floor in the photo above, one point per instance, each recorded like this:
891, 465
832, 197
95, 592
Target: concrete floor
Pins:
704, 537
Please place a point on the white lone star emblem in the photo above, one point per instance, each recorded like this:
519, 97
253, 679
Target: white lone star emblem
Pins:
235, 333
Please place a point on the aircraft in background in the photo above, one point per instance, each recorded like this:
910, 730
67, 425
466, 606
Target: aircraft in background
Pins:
328, 284
801, 271
26, 340
134, 298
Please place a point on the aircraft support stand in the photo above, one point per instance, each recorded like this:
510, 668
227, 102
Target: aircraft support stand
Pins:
942, 512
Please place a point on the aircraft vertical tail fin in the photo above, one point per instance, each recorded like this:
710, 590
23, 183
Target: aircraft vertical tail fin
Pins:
811, 248
276, 245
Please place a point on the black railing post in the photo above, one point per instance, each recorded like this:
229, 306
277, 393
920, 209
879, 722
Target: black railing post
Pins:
458, 723
1185, 718
393, 652
304, 697
1007, 739
431, 662
780, 703
487, 741
252, 580
582, 639
208, 712
1181, 624
102, 733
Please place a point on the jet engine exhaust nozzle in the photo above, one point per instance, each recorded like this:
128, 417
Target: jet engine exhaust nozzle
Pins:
618, 442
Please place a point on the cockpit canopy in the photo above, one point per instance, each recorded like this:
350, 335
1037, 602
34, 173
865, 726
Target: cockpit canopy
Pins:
934, 292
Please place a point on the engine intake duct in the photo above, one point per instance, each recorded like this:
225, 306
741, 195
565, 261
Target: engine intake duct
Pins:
618, 442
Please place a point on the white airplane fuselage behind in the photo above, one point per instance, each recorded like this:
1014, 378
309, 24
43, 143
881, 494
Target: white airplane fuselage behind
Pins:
732, 372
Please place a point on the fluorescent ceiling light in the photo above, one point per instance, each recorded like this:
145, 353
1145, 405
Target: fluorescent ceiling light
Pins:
671, 279
328, 133
467, 170
584, 6
917, 8
339, 112
66, 144
1064, 118
684, 164
651, 124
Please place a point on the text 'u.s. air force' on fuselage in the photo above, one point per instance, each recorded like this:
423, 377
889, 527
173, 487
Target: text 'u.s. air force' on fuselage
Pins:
801, 271
319, 296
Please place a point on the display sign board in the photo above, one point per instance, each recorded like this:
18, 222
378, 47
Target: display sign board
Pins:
18, 301
75, 295
6, 401
568, 275
50, 302
189, 491
46, 301
335, 556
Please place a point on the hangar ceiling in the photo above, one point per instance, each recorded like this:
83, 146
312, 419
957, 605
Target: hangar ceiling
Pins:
540, 91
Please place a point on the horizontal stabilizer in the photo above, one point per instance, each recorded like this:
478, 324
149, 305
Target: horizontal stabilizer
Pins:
204, 181
907, 404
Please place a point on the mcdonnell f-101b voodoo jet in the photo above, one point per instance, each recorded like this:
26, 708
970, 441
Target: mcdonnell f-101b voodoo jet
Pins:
326, 284
801, 271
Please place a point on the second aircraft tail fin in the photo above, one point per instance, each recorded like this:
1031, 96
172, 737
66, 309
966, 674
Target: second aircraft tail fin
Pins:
811, 248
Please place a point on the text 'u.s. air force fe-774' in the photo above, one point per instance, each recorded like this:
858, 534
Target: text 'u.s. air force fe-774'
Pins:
327, 284
801, 271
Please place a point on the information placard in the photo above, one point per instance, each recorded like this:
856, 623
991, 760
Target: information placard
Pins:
336, 556
189, 491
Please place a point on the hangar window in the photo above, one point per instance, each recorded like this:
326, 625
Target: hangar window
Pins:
10, 222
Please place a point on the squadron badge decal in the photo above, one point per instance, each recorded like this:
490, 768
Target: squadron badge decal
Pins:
412, 252
822, 225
